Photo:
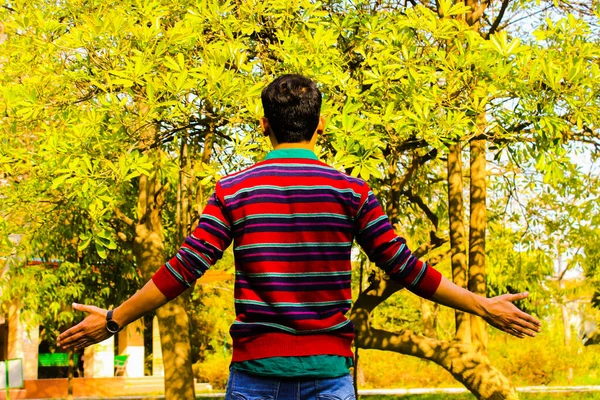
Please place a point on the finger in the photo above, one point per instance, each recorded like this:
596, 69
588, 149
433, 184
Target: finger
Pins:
529, 326
71, 340
70, 332
518, 334
81, 342
524, 328
82, 345
514, 332
516, 296
85, 308
534, 322
525, 332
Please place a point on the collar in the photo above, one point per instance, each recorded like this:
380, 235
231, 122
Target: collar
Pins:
291, 153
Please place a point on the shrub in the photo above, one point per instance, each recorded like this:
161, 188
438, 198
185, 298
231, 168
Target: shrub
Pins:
214, 369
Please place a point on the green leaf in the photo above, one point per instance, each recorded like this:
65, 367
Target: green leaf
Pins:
60, 180
101, 250
84, 244
172, 64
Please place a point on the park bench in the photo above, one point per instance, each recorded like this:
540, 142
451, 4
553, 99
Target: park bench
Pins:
121, 364
56, 359
62, 360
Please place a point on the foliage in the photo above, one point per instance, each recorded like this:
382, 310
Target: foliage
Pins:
96, 94
211, 311
542, 361
214, 369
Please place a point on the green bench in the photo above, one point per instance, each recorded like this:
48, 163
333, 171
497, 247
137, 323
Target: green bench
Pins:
120, 364
56, 359
62, 360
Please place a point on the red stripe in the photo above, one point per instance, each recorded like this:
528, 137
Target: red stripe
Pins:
430, 282
410, 278
294, 238
285, 345
293, 297
265, 207
294, 266
167, 284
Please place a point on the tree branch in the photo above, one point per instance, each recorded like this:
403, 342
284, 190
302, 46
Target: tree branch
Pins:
123, 217
421, 204
498, 18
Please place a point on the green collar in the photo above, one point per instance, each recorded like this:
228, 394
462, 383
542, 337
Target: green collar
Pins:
291, 153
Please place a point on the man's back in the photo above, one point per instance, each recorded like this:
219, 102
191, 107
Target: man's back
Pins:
293, 220
293, 224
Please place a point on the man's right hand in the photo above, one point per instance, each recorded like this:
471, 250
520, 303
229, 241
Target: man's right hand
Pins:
90, 331
93, 328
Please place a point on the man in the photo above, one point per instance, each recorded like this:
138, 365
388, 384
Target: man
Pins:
293, 220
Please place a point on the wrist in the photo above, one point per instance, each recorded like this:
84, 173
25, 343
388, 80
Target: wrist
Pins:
112, 326
119, 317
482, 306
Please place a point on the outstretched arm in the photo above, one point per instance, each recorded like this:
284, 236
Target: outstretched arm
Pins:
499, 311
199, 251
389, 252
93, 328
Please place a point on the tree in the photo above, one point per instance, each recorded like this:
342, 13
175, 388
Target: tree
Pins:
120, 116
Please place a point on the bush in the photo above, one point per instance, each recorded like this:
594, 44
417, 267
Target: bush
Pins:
214, 370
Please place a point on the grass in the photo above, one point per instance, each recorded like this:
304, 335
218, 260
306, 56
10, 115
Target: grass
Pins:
522, 396
468, 396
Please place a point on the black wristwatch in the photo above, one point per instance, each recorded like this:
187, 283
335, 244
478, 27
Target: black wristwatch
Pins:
112, 326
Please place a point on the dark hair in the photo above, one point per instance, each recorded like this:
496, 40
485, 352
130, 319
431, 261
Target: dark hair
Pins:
292, 104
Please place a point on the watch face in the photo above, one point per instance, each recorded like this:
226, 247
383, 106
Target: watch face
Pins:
112, 326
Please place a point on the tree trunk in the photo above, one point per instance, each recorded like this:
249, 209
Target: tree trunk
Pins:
392, 208
70, 369
429, 313
563, 298
457, 235
183, 194
477, 226
148, 249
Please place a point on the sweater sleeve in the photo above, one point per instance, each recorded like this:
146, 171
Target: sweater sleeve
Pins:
389, 251
199, 251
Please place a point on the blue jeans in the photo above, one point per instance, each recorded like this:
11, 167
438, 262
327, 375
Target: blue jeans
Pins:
243, 386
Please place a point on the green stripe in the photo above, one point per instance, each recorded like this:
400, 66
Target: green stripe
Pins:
292, 330
418, 278
369, 194
215, 219
297, 245
391, 260
292, 215
291, 153
403, 266
258, 187
370, 224
361, 207
176, 274
293, 274
196, 256
309, 304
271, 165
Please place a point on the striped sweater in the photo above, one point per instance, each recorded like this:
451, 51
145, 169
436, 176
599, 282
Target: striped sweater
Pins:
292, 220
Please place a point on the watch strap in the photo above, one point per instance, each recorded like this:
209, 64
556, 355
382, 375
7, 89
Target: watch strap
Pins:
112, 326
